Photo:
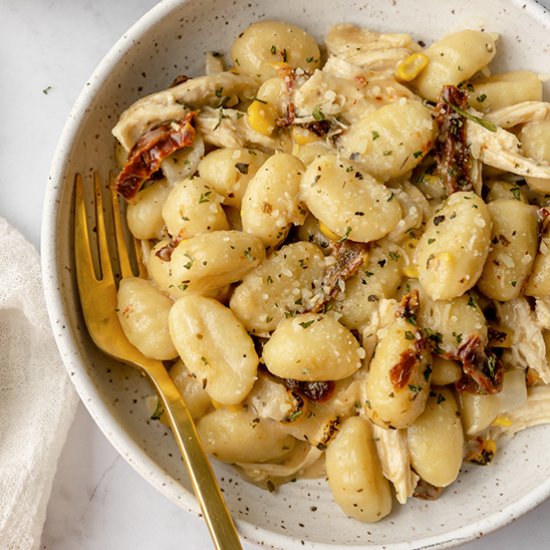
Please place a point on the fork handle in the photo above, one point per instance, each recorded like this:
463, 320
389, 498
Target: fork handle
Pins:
219, 521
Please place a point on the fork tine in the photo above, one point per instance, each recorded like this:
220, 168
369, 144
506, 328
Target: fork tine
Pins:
103, 246
83, 253
123, 258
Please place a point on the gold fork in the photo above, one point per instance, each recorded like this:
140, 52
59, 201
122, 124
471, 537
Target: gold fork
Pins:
98, 297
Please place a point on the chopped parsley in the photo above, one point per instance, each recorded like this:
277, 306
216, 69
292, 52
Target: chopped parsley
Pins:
318, 114
346, 234
159, 410
189, 264
427, 373
295, 415
491, 365
204, 197
394, 255
487, 124
436, 338
248, 254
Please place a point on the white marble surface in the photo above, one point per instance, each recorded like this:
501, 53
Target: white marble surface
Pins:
48, 48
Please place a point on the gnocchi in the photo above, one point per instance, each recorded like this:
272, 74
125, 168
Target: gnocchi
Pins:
349, 201
449, 259
215, 347
355, 474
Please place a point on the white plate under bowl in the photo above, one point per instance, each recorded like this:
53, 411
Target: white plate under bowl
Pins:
170, 40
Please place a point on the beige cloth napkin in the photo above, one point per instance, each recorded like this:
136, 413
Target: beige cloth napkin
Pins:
37, 400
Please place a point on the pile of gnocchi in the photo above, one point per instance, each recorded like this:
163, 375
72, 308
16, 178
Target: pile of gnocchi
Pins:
348, 255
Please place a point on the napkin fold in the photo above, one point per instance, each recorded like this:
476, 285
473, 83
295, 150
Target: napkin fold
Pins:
37, 400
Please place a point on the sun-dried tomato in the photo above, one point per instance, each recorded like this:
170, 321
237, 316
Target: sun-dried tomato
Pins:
349, 256
482, 372
451, 150
401, 372
150, 150
315, 391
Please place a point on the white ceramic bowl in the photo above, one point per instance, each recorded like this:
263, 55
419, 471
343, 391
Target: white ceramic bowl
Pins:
171, 39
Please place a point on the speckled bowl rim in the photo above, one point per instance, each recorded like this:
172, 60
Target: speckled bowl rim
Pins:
89, 395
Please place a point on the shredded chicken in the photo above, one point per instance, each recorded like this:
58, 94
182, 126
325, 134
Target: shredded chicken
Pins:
183, 163
173, 103
476, 176
320, 425
342, 89
394, 455
501, 149
415, 207
271, 399
373, 50
535, 411
229, 128
528, 348
380, 319
296, 463
520, 113
542, 312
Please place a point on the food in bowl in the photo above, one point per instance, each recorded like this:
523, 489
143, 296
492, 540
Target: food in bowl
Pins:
347, 256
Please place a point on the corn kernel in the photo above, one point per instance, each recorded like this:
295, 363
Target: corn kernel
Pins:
502, 421
280, 65
411, 271
328, 232
262, 117
301, 136
533, 377
412, 66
